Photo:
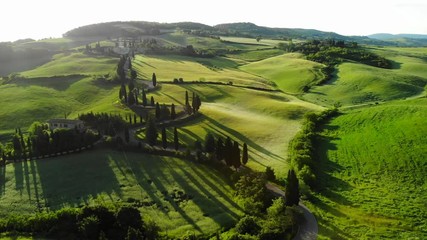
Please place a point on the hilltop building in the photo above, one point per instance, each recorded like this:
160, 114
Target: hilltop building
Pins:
65, 123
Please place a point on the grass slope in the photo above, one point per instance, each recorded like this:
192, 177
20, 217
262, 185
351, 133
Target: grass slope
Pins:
39, 99
74, 63
265, 121
358, 83
289, 71
373, 182
196, 69
180, 196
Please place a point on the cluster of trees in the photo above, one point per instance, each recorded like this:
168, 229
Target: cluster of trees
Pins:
41, 141
196, 103
105, 123
89, 222
218, 149
301, 147
331, 52
152, 133
266, 217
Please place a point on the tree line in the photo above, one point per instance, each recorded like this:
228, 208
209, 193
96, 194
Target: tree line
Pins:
40, 141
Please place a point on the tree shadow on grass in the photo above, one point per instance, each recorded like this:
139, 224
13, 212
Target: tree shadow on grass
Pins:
59, 83
73, 179
19, 176
2, 180
203, 198
151, 180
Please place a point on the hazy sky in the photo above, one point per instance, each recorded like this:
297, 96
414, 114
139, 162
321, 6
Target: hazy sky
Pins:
48, 18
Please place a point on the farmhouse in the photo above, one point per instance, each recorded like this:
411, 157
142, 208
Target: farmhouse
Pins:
65, 123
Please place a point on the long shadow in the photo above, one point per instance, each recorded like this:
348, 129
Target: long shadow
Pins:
243, 138
27, 178
60, 83
73, 179
144, 181
232, 216
36, 185
214, 187
154, 175
2, 180
19, 176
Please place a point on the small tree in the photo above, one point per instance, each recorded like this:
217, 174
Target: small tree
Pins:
133, 74
144, 98
152, 103
164, 138
219, 149
209, 143
151, 132
127, 134
173, 113
236, 155
175, 139
292, 189
187, 103
157, 111
154, 79
245, 155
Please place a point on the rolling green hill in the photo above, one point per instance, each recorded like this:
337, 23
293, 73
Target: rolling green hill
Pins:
372, 165
290, 72
196, 69
265, 121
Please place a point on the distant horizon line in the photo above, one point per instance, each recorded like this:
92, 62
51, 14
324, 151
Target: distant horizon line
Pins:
60, 35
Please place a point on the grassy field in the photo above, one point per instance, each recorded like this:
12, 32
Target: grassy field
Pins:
196, 69
179, 195
357, 83
255, 55
290, 72
372, 173
74, 63
28, 100
266, 121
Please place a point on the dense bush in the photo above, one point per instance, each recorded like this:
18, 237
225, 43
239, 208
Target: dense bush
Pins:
90, 222
301, 147
248, 225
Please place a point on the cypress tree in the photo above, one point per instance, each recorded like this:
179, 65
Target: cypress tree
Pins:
219, 149
154, 79
151, 132
292, 189
236, 155
228, 152
175, 139
164, 138
209, 143
186, 99
152, 103
144, 98
127, 134
245, 156
173, 113
157, 111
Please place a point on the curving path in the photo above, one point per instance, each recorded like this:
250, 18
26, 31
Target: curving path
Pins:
308, 229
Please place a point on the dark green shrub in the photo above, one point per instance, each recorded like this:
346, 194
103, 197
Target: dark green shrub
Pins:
248, 225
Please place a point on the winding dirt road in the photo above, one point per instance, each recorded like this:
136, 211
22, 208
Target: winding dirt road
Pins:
308, 229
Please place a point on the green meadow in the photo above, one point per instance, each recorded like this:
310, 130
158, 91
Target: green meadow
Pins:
40, 99
179, 195
290, 72
216, 69
372, 179
356, 83
74, 63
